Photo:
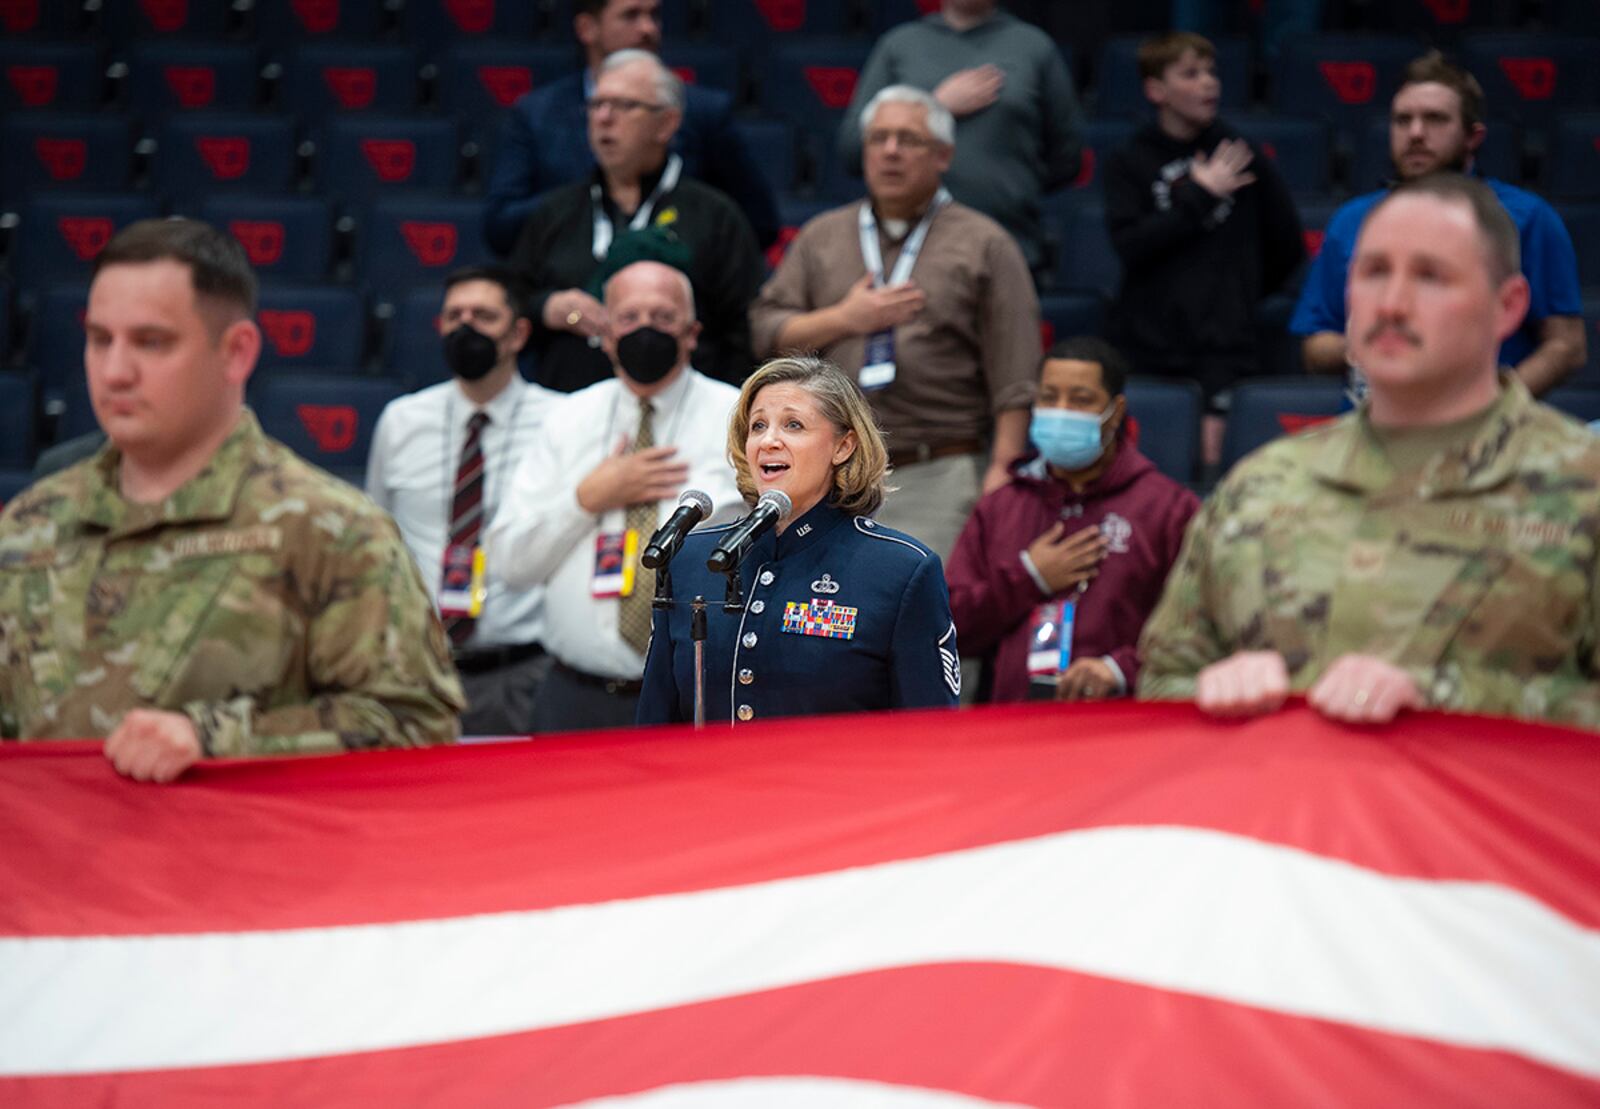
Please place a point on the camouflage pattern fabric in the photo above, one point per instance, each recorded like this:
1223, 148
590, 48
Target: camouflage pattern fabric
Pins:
1476, 573
273, 605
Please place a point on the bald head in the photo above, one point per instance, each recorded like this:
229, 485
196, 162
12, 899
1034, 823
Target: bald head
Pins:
644, 297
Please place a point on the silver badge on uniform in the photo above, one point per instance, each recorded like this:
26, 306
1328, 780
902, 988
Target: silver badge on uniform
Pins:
825, 585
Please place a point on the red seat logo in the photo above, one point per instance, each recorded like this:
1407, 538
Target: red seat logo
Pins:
193, 86
1295, 422
433, 243
686, 74
473, 16
1351, 82
1086, 169
63, 159
783, 15
332, 427
86, 236
1047, 334
928, 7
318, 17
19, 15
505, 83
780, 246
1449, 11
262, 239
1270, 149
390, 159
35, 84
1533, 78
352, 86
166, 15
833, 84
292, 332
1313, 240
228, 157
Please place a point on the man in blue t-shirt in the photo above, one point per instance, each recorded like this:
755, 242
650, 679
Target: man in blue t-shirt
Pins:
1436, 123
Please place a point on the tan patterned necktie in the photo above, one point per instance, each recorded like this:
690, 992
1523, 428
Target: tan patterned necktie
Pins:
633, 613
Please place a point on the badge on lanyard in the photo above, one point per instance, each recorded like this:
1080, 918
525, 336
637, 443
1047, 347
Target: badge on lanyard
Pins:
877, 367
877, 370
616, 562
1050, 648
464, 582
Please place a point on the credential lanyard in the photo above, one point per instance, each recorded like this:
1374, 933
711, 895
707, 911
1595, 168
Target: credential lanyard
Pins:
603, 231
873, 257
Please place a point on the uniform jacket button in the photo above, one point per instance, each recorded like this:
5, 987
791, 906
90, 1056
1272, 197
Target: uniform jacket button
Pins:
758, 607
746, 677
746, 712
749, 639
766, 577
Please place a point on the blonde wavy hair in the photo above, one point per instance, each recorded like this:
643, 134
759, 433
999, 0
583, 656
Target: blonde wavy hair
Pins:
859, 481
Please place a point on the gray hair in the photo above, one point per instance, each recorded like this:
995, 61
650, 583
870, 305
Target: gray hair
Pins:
941, 124
669, 88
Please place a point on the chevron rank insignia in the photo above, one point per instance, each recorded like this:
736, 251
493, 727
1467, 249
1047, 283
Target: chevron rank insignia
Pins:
824, 618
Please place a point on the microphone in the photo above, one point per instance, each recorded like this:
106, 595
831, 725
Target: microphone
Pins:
693, 507
772, 507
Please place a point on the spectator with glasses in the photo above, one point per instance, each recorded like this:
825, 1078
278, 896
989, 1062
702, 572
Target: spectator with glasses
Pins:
639, 204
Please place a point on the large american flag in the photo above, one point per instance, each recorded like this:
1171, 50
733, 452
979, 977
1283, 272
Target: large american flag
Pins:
1121, 905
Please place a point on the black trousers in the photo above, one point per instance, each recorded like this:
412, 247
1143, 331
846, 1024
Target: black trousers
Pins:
571, 702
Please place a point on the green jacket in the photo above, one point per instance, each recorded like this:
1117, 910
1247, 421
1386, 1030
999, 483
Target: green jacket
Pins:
1477, 574
273, 605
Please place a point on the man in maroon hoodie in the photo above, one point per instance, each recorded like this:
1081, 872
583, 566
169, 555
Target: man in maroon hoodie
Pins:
1057, 571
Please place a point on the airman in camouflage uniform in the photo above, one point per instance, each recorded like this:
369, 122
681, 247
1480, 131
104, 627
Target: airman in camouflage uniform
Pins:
274, 606
1476, 574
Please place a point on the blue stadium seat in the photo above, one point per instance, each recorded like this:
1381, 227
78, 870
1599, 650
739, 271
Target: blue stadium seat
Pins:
1589, 373
361, 156
311, 325
71, 413
1100, 138
793, 214
1298, 147
706, 64
18, 409
208, 152
13, 482
406, 242
326, 418
51, 75
129, 20
1119, 90
1063, 315
1264, 408
65, 150
283, 24
287, 238
478, 81
756, 23
172, 75
435, 25
1085, 259
1343, 79
6, 320
1574, 162
1583, 224
58, 235
40, 19
1315, 212
55, 337
884, 14
324, 77
1167, 412
1530, 77
411, 350
1580, 402
810, 82
772, 146
1499, 156
1439, 21
1578, 17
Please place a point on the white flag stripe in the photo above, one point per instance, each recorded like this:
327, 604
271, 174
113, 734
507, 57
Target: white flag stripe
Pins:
790, 1092
1186, 909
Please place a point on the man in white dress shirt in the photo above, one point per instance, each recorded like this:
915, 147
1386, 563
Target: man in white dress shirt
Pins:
606, 472
440, 462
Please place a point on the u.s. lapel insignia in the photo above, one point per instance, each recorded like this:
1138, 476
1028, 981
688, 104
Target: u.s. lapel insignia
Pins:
826, 585
820, 618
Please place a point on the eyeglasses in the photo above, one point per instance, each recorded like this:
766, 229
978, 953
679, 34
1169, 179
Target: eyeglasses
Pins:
618, 104
911, 140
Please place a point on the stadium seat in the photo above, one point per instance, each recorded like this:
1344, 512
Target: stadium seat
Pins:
171, 75
885, 14
1119, 90
325, 77
58, 235
706, 64
1577, 17
207, 152
1315, 212
287, 238
1439, 21
1530, 76
64, 150
130, 20
71, 414
1499, 156
478, 81
326, 418
1342, 79
311, 325
52, 75
1583, 224
1100, 138
1580, 402
1085, 259
793, 214
55, 337
13, 482
756, 23
7, 320
411, 350
1298, 147
1589, 373
40, 19
1063, 315
361, 156
771, 145
1264, 408
1574, 161
406, 242
1167, 412
283, 24
810, 82
435, 25
17, 412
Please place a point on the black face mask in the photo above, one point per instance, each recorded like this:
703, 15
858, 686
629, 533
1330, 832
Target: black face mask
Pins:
470, 353
647, 355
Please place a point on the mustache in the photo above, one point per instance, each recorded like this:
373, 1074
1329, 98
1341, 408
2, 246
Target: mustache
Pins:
1377, 331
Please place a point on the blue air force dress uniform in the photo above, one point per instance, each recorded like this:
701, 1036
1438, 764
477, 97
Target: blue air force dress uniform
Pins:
841, 614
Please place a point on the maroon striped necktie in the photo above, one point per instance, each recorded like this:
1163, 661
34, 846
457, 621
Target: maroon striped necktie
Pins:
466, 510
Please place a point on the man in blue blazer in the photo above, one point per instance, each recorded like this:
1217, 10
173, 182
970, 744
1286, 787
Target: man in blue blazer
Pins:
544, 141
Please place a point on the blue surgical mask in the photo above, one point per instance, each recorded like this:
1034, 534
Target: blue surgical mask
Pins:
1068, 440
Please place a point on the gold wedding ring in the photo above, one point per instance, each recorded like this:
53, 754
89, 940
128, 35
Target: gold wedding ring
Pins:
573, 317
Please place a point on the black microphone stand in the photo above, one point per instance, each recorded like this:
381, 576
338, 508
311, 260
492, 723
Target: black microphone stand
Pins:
697, 634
